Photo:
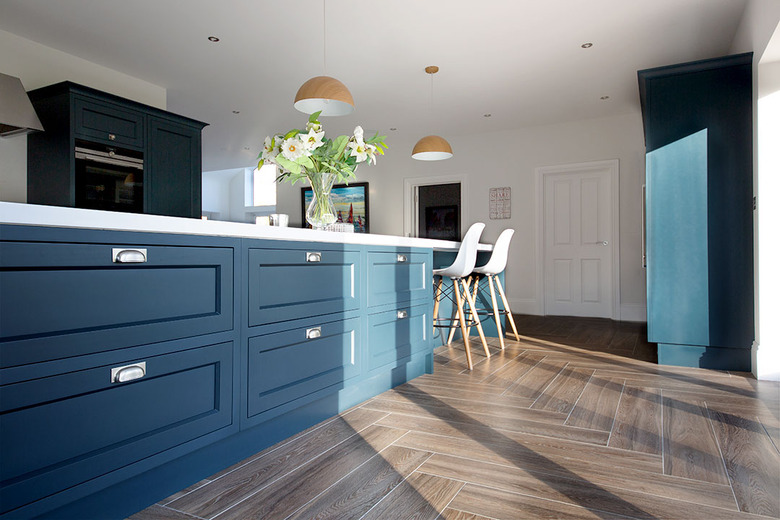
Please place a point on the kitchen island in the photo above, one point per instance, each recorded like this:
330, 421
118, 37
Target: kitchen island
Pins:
140, 353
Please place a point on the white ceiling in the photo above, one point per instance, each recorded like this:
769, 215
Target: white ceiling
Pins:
519, 60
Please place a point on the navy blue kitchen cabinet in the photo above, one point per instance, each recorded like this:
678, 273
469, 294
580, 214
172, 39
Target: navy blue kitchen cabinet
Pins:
699, 197
133, 365
77, 118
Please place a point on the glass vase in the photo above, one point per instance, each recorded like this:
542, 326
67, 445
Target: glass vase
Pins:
321, 211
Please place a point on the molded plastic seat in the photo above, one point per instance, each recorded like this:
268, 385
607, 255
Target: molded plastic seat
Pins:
495, 266
462, 267
499, 256
467, 254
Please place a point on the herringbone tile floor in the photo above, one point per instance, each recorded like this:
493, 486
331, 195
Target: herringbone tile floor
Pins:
573, 421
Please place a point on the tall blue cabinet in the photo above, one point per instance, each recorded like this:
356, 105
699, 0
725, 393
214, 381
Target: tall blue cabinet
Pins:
698, 127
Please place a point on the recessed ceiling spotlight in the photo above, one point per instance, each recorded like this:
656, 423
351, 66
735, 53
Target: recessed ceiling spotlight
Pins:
393, 129
604, 98
487, 115
586, 45
213, 39
246, 148
236, 111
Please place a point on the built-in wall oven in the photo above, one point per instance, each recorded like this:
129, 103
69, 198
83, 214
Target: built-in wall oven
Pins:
109, 178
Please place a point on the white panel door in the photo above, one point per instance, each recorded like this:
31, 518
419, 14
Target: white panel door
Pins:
578, 243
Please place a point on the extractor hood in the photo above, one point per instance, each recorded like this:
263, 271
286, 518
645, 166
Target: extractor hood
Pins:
17, 115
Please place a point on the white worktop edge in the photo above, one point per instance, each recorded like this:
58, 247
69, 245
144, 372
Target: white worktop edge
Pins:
55, 216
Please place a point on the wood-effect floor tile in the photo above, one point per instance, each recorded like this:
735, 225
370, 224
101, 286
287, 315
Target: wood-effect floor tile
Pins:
564, 391
418, 497
690, 447
292, 491
358, 492
597, 404
638, 421
247, 478
748, 454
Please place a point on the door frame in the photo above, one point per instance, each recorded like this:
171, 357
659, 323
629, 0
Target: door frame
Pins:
613, 166
410, 206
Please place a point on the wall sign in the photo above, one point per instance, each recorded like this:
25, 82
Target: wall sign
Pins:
500, 203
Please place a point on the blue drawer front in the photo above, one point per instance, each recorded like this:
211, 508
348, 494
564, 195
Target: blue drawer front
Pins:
286, 366
393, 338
59, 431
396, 277
61, 300
284, 286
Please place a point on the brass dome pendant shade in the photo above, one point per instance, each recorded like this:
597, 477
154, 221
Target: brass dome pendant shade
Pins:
432, 148
326, 94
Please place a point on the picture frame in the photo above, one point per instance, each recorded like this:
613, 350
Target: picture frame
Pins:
350, 200
442, 222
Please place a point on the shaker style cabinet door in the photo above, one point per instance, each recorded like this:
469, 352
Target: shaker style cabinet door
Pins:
174, 178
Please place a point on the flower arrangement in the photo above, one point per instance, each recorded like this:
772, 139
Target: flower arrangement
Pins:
306, 154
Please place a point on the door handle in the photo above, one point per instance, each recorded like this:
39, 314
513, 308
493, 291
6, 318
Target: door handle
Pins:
604, 243
314, 333
313, 256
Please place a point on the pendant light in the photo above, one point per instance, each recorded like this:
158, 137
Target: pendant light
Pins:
432, 147
323, 93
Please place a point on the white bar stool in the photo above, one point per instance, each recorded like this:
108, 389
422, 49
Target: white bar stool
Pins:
457, 272
495, 266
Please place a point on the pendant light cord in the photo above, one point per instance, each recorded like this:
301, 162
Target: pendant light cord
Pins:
324, 53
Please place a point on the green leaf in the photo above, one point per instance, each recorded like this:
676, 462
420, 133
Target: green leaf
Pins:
339, 144
292, 133
260, 163
313, 118
288, 165
306, 162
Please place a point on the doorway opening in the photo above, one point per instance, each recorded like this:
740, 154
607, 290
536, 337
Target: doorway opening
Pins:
434, 207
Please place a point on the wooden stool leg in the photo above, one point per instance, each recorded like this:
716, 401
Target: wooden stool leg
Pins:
476, 319
468, 288
436, 301
506, 308
496, 313
462, 320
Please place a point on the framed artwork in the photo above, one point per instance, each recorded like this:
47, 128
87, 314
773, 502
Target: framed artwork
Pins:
442, 222
351, 202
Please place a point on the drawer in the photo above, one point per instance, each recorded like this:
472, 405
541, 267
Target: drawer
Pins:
63, 299
394, 336
290, 284
287, 367
108, 123
396, 277
59, 431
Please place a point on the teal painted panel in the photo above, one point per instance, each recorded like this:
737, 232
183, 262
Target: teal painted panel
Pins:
393, 336
714, 358
289, 367
677, 252
396, 277
284, 286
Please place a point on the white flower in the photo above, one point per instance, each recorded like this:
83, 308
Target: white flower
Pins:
317, 127
359, 134
293, 148
271, 148
371, 152
358, 150
313, 139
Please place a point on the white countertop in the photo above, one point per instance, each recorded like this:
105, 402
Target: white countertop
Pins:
55, 216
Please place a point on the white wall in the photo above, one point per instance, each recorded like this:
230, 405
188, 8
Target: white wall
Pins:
760, 28
216, 195
510, 159
37, 66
